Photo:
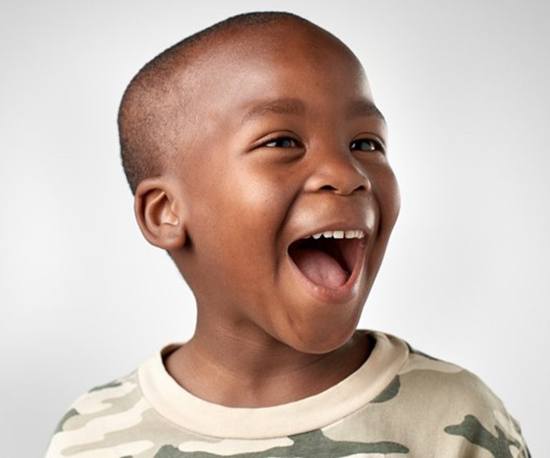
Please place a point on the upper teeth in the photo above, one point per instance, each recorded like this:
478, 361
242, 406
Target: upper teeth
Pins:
359, 234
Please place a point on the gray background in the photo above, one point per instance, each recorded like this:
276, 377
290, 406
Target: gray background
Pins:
465, 89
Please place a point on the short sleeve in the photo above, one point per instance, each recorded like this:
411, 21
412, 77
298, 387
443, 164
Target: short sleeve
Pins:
489, 425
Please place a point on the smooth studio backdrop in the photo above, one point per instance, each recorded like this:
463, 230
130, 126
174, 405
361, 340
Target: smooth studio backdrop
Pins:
465, 89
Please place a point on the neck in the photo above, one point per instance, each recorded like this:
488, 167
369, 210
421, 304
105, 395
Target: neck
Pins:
230, 367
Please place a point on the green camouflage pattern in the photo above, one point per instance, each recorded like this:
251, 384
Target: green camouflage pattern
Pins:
431, 408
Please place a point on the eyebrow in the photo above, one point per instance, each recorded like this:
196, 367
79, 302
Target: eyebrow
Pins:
293, 106
290, 106
364, 107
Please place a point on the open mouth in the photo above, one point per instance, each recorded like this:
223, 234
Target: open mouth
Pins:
327, 262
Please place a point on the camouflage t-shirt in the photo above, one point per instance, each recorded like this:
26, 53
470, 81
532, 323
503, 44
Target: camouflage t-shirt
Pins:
399, 403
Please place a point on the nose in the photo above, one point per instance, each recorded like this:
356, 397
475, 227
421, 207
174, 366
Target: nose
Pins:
338, 171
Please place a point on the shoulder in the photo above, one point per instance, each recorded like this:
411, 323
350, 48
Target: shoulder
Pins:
96, 412
445, 379
442, 377
458, 403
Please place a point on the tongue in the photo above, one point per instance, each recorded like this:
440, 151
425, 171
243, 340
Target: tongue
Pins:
320, 267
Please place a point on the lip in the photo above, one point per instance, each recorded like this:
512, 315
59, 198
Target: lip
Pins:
341, 293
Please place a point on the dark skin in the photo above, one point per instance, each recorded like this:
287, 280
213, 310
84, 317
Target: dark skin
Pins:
228, 211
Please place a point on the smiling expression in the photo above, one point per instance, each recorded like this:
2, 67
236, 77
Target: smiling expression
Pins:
290, 144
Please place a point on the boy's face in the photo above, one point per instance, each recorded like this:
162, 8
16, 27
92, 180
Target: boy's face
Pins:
246, 197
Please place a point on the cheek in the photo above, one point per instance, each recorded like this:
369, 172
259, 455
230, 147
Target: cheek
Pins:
389, 198
256, 195
251, 206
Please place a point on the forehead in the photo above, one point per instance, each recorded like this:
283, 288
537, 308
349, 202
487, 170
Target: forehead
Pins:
285, 70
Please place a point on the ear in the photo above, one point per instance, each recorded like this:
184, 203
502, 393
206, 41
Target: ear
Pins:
159, 213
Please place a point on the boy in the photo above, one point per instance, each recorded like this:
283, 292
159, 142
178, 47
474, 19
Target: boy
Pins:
257, 160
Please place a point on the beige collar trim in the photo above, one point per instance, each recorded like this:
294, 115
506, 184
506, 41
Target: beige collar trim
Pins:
195, 414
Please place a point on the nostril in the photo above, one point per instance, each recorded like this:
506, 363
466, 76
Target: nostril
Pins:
328, 187
340, 191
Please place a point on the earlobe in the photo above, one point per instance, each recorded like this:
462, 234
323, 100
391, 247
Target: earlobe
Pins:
157, 215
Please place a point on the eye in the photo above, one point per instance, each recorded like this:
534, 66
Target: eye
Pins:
368, 144
281, 142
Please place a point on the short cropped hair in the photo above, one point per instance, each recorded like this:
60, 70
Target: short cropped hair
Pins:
148, 100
